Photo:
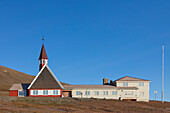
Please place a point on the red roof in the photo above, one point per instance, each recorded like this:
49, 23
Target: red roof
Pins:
43, 54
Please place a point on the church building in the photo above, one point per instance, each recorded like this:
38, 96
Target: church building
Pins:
45, 84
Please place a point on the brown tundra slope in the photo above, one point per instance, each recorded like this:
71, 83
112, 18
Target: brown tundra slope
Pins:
8, 77
73, 105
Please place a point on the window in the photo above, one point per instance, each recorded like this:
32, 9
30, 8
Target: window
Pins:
114, 92
128, 93
96, 92
45, 92
87, 92
105, 92
35, 92
141, 84
21, 93
78, 92
125, 84
43, 61
55, 92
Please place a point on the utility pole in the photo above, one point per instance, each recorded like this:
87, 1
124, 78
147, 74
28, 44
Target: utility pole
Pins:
163, 73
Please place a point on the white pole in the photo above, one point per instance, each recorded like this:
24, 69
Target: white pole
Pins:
163, 73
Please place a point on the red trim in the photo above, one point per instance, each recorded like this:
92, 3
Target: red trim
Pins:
45, 95
41, 66
13, 93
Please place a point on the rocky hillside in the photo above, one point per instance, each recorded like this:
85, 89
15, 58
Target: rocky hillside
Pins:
9, 76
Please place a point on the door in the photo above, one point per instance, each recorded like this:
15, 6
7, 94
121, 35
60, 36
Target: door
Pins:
67, 93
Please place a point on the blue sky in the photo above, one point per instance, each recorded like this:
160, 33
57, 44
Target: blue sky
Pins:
87, 40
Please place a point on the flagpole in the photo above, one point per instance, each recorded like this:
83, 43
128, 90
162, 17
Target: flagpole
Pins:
163, 73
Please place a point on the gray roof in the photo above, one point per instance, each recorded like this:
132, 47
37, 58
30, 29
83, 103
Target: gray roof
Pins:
19, 86
70, 87
127, 78
45, 80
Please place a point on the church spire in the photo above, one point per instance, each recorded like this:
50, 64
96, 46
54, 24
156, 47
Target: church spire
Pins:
43, 56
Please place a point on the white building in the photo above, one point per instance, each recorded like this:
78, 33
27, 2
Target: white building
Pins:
126, 88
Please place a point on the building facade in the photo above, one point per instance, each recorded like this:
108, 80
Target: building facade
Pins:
126, 88
45, 84
19, 90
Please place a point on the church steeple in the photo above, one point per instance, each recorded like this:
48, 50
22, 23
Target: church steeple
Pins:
43, 54
43, 59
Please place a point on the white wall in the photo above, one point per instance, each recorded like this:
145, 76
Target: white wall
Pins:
50, 92
120, 94
140, 94
141, 89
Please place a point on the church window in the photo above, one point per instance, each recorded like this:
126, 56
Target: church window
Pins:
35, 92
45, 92
55, 92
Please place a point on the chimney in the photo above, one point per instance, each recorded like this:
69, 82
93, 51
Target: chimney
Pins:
111, 81
105, 81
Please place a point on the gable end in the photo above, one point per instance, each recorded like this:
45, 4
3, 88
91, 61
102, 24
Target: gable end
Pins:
45, 80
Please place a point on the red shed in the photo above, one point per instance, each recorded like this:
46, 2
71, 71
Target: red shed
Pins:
18, 90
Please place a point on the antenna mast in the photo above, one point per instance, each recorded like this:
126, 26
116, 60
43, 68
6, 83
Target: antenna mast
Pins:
163, 73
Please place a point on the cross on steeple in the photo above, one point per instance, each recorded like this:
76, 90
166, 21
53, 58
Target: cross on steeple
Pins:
43, 59
43, 39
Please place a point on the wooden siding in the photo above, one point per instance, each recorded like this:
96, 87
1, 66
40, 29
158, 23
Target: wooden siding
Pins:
13, 93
